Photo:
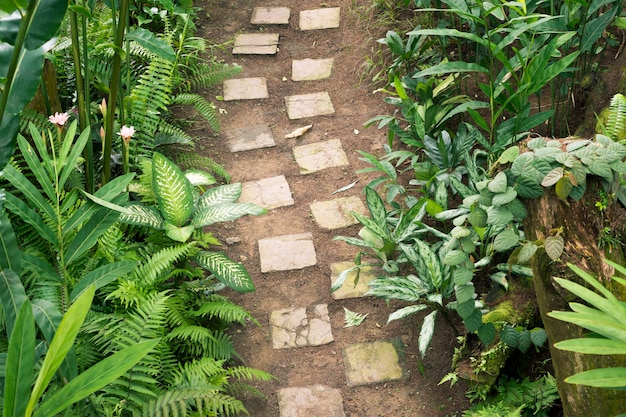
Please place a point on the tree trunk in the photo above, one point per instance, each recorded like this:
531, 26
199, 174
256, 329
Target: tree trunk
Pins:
580, 224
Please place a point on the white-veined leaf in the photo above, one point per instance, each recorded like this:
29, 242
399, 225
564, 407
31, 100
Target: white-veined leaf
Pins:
141, 215
226, 270
225, 212
228, 193
405, 312
353, 319
426, 333
554, 246
173, 191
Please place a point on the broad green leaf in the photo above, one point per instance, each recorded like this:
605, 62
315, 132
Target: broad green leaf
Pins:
20, 363
61, 344
487, 333
508, 155
509, 336
405, 312
526, 252
563, 188
231, 273
477, 217
523, 340
102, 276
600, 168
89, 233
44, 22
8, 6
600, 378
498, 184
538, 336
141, 215
500, 279
462, 276
95, 378
455, 257
554, 246
466, 309
12, 296
593, 346
198, 177
473, 322
553, 177
228, 193
426, 332
152, 43
225, 212
10, 255
464, 293
179, 234
505, 240
173, 191
499, 216
527, 187
504, 198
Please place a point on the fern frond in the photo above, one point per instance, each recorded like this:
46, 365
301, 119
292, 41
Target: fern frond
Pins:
193, 160
220, 307
206, 109
205, 75
203, 399
29, 116
156, 268
168, 134
197, 341
249, 374
616, 118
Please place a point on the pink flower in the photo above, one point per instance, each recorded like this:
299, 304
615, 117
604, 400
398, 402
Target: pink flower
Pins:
126, 133
59, 119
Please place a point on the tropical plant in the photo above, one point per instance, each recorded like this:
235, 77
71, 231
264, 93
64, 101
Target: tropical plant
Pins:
605, 317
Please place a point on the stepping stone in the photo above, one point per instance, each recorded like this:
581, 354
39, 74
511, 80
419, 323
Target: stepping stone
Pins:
349, 289
317, 156
311, 69
308, 105
319, 19
270, 16
245, 89
312, 401
373, 362
256, 44
287, 252
335, 214
268, 193
299, 327
254, 137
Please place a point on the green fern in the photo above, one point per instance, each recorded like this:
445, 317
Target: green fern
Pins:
220, 307
203, 107
616, 118
193, 160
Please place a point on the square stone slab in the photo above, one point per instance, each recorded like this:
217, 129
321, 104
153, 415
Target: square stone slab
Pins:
256, 44
309, 105
245, 89
317, 156
287, 252
335, 214
349, 289
319, 19
299, 327
270, 16
313, 401
373, 362
254, 137
311, 69
268, 193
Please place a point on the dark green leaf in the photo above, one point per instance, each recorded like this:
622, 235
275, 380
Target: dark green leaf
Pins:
89, 233
46, 19
538, 336
152, 43
464, 293
473, 322
487, 333
509, 336
10, 255
102, 276
12, 296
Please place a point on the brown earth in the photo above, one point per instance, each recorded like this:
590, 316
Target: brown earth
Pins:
354, 103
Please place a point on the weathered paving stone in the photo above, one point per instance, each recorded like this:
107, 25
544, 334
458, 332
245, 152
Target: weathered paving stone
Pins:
319, 19
287, 252
253, 137
317, 156
299, 327
311, 69
309, 105
312, 401
269, 193
256, 44
335, 214
349, 289
245, 89
270, 16
373, 362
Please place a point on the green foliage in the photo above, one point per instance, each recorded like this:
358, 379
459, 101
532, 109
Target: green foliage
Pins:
605, 319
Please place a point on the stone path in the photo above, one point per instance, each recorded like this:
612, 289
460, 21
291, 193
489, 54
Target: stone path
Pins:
297, 326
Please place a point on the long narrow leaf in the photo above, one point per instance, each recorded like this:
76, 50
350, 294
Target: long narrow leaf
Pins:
225, 212
32, 193
593, 346
12, 296
20, 363
28, 215
102, 276
10, 255
96, 377
228, 193
60, 346
600, 378
68, 166
88, 235
36, 166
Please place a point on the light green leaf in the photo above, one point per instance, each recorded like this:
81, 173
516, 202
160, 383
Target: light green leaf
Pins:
505, 240
526, 252
508, 155
228, 193
477, 217
61, 345
140, 215
499, 216
426, 332
225, 212
553, 177
231, 273
376, 207
498, 184
405, 312
353, 319
593, 346
20, 363
455, 257
464, 293
197, 177
173, 191
179, 234
554, 246
600, 378
504, 198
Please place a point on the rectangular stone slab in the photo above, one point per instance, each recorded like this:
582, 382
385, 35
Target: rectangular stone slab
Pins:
317, 156
256, 44
268, 193
312, 401
245, 89
311, 69
309, 105
287, 252
335, 214
349, 289
319, 19
373, 363
270, 16
251, 137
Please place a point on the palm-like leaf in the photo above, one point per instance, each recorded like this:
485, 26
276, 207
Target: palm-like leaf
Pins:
173, 191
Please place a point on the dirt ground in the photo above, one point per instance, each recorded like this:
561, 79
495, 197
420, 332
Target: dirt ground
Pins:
354, 103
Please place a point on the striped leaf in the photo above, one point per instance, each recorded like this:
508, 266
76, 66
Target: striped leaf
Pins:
228, 193
173, 191
231, 273
142, 216
179, 234
225, 212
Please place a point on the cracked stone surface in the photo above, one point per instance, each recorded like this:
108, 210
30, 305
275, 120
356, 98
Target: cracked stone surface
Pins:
311, 69
335, 214
320, 18
312, 401
245, 89
317, 156
309, 105
269, 193
349, 289
270, 16
373, 363
256, 44
298, 327
287, 252
253, 137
